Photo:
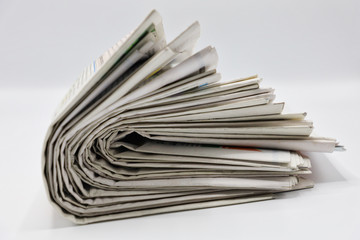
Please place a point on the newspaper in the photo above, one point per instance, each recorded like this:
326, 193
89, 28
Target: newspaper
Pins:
151, 127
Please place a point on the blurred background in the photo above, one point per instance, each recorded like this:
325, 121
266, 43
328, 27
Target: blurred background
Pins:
48, 43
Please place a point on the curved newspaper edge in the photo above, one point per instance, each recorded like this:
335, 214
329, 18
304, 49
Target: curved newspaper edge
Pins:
158, 130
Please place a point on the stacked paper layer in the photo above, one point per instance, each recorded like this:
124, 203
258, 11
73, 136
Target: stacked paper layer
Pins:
150, 128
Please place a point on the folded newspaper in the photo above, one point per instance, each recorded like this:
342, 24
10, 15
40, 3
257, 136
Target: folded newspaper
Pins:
151, 127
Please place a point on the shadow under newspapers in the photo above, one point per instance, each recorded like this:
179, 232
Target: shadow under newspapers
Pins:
151, 128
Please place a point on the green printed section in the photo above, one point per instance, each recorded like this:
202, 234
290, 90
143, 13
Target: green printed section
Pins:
150, 29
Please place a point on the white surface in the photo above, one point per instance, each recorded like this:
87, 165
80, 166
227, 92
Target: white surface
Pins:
329, 210
308, 51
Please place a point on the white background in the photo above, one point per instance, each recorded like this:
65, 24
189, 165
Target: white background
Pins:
309, 51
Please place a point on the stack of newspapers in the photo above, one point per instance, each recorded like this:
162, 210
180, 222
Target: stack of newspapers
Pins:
150, 127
